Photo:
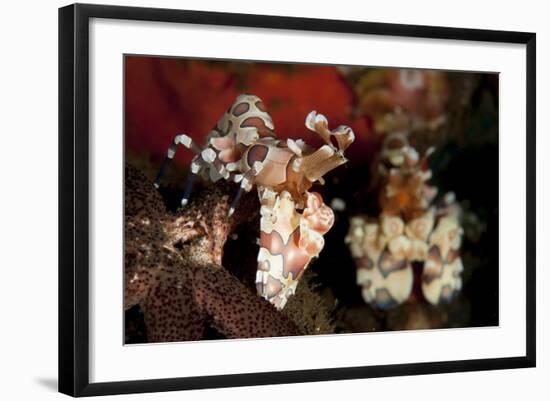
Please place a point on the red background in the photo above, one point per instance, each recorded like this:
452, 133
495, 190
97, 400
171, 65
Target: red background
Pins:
168, 96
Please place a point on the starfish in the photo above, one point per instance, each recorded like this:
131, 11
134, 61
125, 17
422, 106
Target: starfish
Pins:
173, 269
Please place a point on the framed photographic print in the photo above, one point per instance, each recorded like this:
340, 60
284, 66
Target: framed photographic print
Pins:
237, 189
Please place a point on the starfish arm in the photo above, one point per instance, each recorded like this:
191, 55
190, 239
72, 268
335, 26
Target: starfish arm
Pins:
144, 236
170, 311
247, 315
137, 285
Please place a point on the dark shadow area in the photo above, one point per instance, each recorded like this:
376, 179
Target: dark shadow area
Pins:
49, 383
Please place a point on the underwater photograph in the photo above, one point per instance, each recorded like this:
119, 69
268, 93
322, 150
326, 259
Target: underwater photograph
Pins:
269, 199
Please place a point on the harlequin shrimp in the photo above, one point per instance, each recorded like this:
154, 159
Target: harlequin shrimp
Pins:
410, 228
244, 148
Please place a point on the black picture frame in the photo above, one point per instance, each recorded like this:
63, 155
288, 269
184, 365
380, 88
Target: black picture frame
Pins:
74, 198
